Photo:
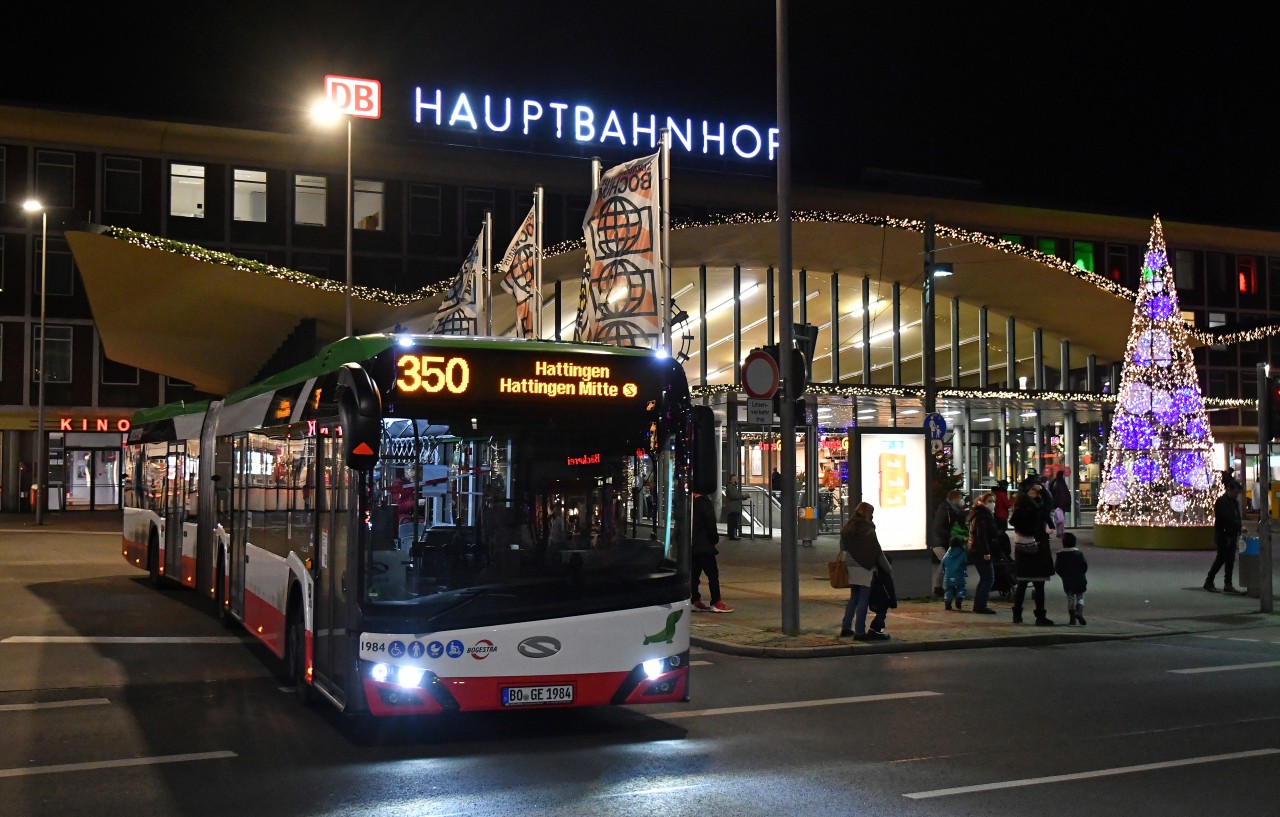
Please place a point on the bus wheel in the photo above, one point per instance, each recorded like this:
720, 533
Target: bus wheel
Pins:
220, 596
296, 658
154, 576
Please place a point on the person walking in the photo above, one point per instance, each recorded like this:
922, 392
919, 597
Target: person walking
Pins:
948, 521
955, 573
1060, 494
859, 541
705, 539
1226, 530
733, 497
983, 530
1071, 566
1032, 559
1003, 503
884, 597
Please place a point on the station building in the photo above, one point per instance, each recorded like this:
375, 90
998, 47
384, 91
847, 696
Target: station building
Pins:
215, 256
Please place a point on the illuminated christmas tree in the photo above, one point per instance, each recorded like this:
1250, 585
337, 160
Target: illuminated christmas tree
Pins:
1158, 472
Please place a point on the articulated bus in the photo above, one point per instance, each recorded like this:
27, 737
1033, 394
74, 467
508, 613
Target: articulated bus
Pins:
419, 524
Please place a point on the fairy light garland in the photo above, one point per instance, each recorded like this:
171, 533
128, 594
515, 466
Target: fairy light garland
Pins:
1159, 469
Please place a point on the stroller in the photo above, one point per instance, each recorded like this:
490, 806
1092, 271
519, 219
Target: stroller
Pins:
1003, 568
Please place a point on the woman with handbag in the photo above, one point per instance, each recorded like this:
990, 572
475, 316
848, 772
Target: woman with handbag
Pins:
982, 549
859, 541
1032, 559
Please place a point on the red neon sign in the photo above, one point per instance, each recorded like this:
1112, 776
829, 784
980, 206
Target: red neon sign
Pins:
357, 97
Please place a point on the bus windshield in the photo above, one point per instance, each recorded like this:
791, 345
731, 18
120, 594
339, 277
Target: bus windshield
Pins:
527, 520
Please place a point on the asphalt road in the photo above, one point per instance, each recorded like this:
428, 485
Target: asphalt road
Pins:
95, 726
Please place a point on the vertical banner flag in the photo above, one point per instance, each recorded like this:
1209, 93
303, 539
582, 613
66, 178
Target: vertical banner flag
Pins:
623, 275
459, 311
518, 268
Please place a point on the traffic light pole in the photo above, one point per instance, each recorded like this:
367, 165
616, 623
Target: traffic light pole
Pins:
1265, 408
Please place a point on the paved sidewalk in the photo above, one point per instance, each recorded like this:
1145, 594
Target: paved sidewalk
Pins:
1131, 594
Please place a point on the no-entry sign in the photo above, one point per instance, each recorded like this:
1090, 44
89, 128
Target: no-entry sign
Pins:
760, 375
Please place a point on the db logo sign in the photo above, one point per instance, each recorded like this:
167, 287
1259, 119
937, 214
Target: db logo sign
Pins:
357, 97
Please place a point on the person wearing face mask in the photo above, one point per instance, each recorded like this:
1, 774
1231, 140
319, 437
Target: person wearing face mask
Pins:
949, 516
983, 530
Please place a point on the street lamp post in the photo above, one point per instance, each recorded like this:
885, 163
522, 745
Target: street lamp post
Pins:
326, 114
42, 455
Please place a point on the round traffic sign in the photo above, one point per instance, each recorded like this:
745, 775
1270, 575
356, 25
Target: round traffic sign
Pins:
760, 375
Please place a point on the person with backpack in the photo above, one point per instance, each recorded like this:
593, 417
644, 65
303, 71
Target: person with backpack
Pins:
948, 521
1032, 558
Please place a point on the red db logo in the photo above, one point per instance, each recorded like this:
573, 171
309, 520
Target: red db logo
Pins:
357, 97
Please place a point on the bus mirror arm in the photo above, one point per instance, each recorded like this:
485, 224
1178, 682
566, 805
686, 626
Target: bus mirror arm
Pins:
360, 414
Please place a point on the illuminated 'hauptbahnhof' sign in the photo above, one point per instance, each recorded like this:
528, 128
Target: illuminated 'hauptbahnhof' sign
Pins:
584, 124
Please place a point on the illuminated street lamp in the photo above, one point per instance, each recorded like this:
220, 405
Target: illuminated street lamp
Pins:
42, 464
325, 113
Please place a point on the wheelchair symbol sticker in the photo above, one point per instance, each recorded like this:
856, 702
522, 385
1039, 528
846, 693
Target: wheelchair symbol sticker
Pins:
395, 649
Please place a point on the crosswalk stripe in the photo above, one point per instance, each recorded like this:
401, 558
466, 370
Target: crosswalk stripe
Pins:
53, 704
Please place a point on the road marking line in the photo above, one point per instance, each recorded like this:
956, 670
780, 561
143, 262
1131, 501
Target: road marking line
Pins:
122, 639
1059, 778
1244, 639
699, 663
114, 764
734, 710
48, 532
53, 704
1227, 668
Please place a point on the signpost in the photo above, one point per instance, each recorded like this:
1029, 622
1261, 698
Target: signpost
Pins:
760, 382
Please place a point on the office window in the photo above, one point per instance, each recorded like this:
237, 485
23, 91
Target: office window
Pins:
366, 205
175, 383
1117, 261
474, 204
1217, 319
186, 190
1247, 274
1273, 282
1, 263
309, 197
1184, 270
55, 178
116, 374
425, 206
3, 173
1048, 246
249, 195
60, 269
1012, 239
1, 349
57, 354
121, 185
1082, 255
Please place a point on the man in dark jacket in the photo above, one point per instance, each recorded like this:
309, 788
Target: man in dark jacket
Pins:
947, 517
1226, 530
705, 539
1060, 493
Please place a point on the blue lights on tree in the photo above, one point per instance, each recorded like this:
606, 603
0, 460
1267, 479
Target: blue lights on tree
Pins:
1158, 469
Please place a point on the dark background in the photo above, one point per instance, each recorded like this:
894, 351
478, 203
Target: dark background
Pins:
1096, 107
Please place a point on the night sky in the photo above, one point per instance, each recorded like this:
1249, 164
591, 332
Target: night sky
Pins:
1092, 107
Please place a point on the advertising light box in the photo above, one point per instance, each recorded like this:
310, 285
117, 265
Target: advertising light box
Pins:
893, 472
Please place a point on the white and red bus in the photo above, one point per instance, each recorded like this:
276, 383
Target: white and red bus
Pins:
419, 524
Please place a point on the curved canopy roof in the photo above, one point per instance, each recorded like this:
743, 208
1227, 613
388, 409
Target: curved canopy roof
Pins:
214, 320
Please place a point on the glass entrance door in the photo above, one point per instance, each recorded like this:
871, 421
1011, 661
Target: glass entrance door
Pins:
93, 479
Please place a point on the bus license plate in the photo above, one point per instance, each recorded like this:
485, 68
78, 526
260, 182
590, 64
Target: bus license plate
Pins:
534, 695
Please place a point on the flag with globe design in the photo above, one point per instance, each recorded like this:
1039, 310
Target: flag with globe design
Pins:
621, 297
459, 312
519, 274
1159, 470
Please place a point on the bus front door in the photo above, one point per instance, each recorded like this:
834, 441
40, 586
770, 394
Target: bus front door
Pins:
335, 576
175, 506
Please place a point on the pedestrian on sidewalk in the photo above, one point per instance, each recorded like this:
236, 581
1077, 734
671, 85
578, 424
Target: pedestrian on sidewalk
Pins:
1226, 530
983, 547
1071, 566
705, 539
884, 597
948, 521
1003, 503
859, 541
733, 497
955, 573
1032, 559
1060, 494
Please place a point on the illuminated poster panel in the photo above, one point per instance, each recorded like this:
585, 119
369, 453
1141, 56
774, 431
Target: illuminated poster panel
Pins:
893, 472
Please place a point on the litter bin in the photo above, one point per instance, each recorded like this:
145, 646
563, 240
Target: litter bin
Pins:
806, 525
1248, 566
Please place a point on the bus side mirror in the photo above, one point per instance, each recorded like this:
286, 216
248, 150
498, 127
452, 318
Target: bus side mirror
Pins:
360, 415
706, 470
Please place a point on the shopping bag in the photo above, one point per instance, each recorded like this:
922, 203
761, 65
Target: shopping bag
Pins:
838, 571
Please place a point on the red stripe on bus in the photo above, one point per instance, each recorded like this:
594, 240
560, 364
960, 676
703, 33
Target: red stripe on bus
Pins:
135, 553
264, 622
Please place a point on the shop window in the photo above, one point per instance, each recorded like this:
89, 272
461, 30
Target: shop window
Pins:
55, 178
367, 203
1082, 255
121, 185
186, 190
249, 195
57, 354
310, 194
116, 374
1117, 262
425, 207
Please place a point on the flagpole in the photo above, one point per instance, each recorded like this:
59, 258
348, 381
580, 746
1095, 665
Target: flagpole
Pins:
664, 268
486, 261
583, 294
537, 262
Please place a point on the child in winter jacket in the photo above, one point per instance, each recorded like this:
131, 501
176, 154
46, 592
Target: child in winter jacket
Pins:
955, 567
1070, 565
